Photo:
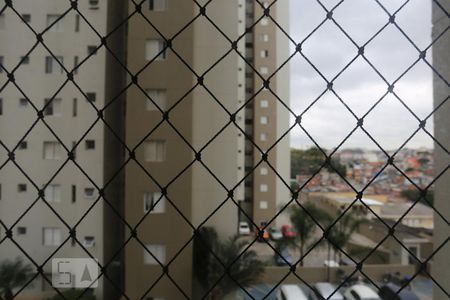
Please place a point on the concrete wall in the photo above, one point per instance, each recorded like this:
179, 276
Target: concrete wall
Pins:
16, 41
441, 62
311, 275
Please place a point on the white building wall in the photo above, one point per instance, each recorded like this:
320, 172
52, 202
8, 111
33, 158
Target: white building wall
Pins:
16, 39
283, 157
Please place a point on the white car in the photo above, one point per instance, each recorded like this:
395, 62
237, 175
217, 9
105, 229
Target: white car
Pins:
290, 292
244, 229
361, 292
324, 290
330, 263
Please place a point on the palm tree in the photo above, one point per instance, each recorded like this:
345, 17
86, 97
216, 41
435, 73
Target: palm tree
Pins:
342, 231
305, 225
74, 294
209, 271
13, 274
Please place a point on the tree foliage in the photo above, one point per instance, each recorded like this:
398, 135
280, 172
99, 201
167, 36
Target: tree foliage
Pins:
306, 162
304, 221
414, 194
341, 232
246, 270
13, 274
73, 294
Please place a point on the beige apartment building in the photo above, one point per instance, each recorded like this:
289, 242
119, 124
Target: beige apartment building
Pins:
192, 169
69, 124
184, 168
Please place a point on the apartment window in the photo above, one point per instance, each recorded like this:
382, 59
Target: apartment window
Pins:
56, 27
0, 192
264, 21
23, 145
91, 50
93, 4
53, 107
26, 18
52, 150
1, 106
21, 230
264, 53
1, 64
263, 137
74, 149
77, 23
90, 144
24, 60
263, 205
21, 187
150, 199
263, 171
53, 193
153, 48
2, 21
91, 97
158, 251
158, 96
264, 120
264, 103
157, 5
51, 236
89, 192
89, 241
263, 188
52, 65
264, 37
73, 193
264, 70
75, 64
23, 102
74, 107
155, 151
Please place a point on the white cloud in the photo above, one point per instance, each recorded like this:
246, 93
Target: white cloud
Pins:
360, 86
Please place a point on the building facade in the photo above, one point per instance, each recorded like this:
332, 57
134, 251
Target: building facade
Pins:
170, 154
51, 183
441, 263
192, 161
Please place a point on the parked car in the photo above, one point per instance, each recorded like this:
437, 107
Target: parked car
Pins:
290, 292
275, 233
288, 231
265, 234
244, 229
330, 263
284, 254
389, 291
324, 290
360, 292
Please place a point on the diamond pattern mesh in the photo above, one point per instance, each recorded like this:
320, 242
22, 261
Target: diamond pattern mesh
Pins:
328, 73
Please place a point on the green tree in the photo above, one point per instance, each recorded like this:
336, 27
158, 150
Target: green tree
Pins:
208, 270
414, 194
310, 160
341, 232
73, 294
305, 225
13, 274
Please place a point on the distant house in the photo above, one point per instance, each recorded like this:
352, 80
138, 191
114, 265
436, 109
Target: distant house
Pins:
340, 201
420, 216
417, 241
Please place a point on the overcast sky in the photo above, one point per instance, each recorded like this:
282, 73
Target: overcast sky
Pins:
328, 121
